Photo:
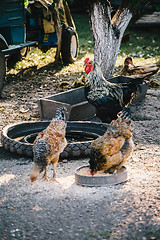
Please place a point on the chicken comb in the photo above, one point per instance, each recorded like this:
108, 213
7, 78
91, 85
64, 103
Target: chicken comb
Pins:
86, 60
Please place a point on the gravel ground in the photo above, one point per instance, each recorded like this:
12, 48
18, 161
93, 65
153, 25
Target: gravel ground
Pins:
65, 210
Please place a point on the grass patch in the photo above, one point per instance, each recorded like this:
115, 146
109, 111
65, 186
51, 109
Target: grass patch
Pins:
86, 43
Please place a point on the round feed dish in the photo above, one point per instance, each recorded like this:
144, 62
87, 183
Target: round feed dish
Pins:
99, 179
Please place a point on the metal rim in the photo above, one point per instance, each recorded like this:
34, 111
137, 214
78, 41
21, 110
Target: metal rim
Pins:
74, 46
107, 180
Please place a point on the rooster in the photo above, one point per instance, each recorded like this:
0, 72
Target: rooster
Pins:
48, 145
110, 151
145, 71
106, 96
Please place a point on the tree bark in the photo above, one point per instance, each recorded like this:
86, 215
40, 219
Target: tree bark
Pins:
107, 32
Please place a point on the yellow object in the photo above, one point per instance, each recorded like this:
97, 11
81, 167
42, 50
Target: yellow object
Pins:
154, 84
48, 27
46, 37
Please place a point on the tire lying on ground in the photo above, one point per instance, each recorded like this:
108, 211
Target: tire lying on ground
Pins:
2, 70
69, 46
79, 136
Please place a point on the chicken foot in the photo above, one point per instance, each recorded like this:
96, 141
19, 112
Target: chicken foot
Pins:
45, 177
54, 177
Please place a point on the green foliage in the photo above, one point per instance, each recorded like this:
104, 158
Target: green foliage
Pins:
142, 44
71, 1
25, 2
86, 43
157, 7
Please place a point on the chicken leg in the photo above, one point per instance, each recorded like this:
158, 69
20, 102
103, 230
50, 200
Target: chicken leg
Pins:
54, 164
45, 177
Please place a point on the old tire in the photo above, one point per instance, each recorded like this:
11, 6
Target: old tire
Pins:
2, 70
69, 47
13, 137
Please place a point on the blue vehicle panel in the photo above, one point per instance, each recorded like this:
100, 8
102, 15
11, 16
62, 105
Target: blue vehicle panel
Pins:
49, 39
12, 21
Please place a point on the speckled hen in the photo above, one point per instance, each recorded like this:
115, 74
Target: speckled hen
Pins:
48, 145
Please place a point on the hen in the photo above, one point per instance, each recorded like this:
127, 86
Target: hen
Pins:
110, 151
48, 145
138, 71
108, 98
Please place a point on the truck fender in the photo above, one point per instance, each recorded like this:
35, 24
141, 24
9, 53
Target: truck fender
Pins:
3, 43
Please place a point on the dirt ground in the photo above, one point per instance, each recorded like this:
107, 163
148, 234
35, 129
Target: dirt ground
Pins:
65, 210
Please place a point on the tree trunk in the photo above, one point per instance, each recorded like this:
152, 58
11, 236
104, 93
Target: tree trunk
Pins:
107, 32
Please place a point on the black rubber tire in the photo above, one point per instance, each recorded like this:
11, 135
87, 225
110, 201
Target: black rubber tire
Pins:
70, 45
2, 71
12, 134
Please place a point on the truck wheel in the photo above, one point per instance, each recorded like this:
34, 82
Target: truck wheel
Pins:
69, 47
2, 70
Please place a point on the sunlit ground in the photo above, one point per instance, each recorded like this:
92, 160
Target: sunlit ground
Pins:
66, 182
6, 178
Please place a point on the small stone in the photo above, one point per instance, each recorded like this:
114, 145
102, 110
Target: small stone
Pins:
65, 161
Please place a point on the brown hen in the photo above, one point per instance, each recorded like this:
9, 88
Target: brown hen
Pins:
110, 151
48, 145
145, 71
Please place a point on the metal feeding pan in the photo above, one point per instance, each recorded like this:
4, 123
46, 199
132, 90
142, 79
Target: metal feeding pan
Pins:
75, 102
100, 180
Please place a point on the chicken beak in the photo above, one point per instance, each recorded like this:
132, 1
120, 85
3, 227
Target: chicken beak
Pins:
92, 172
32, 180
132, 63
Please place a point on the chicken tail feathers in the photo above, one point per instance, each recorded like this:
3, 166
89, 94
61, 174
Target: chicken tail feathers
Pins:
130, 90
93, 161
126, 110
125, 114
61, 114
